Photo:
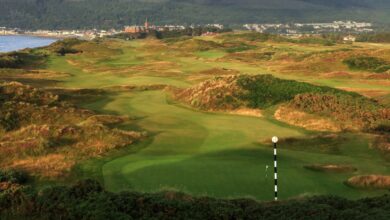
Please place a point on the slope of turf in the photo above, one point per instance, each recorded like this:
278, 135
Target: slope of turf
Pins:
208, 153
219, 155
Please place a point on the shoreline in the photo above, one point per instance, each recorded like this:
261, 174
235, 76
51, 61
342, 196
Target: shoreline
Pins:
20, 42
37, 36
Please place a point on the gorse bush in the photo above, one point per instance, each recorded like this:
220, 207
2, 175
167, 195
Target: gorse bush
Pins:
66, 50
49, 134
9, 120
68, 42
88, 200
10, 61
263, 91
233, 46
367, 63
17, 92
250, 56
65, 46
13, 60
359, 112
21, 59
250, 36
377, 38
199, 45
383, 127
13, 176
259, 91
383, 68
352, 110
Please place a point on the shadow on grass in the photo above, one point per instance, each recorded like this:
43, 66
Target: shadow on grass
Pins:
230, 173
319, 143
92, 168
38, 83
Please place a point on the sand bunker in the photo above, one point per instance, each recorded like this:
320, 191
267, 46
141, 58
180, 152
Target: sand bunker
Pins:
370, 182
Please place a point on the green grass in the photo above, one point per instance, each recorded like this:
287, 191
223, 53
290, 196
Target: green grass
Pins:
207, 153
219, 155
211, 54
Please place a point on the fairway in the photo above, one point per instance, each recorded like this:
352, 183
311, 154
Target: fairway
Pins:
219, 155
202, 153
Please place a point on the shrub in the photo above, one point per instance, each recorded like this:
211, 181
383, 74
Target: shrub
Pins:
376, 37
366, 63
13, 176
265, 90
66, 50
233, 47
383, 127
382, 69
250, 36
10, 61
360, 112
21, 59
68, 42
65, 46
61, 203
48, 134
9, 120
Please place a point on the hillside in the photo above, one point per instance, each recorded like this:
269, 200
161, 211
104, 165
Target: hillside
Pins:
352, 111
44, 135
117, 13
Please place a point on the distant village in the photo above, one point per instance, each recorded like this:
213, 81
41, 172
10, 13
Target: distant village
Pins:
292, 29
351, 27
96, 33
84, 34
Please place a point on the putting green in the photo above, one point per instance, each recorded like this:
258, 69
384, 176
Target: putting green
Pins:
202, 153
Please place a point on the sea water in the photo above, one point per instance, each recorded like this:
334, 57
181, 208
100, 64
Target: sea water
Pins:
16, 42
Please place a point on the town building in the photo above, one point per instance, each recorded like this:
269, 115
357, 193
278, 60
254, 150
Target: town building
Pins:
349, 38
135, 29
138, 28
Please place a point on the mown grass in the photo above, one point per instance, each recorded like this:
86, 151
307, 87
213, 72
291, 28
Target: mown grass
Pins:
210, 153
204, 153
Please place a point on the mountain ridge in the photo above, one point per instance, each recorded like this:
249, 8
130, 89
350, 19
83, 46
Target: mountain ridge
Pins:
52, 14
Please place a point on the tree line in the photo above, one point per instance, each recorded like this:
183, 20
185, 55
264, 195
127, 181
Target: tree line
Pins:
66, 14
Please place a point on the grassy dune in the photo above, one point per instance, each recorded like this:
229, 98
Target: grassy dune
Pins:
215, 153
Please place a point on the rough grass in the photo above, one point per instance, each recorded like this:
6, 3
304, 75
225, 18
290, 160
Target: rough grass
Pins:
248, 57
98, 203
46, 136
351, 112
217, 94
367, 63
198, 45
188, 147
308, 121
22, 59
259, 91
370, 182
